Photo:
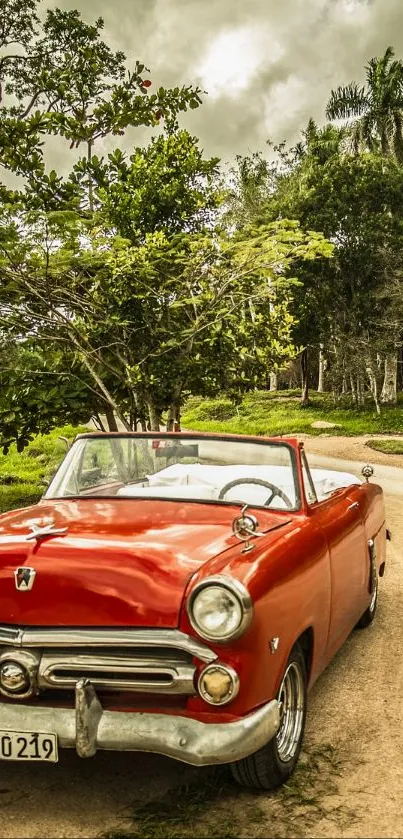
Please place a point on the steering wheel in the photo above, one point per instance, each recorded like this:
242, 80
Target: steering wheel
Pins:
274, 490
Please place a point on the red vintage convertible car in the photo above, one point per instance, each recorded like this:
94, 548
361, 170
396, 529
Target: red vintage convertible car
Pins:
179, 593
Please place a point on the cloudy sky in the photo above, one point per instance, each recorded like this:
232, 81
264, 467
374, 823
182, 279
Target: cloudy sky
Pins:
267, 65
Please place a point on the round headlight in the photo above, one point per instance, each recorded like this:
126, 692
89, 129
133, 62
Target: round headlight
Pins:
219, 609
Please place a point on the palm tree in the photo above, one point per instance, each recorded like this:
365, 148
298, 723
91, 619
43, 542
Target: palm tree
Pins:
377, 112
376, 108
318, 146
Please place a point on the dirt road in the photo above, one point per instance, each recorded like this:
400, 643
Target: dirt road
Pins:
355, 715
357, 707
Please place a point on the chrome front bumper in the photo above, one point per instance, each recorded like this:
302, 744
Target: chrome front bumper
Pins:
89, 727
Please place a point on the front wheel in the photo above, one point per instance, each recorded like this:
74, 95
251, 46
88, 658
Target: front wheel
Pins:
273, 764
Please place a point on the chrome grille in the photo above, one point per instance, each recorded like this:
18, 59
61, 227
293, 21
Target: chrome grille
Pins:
143, 661
125, 672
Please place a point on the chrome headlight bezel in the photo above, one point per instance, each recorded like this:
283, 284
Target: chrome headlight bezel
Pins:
227, 670
241, 594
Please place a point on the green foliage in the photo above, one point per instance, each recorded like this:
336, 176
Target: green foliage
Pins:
40, 387
351, 304
167, 186
211, 409
21, 474
130, 282
376, 109
81, 100
128, 326
19, 495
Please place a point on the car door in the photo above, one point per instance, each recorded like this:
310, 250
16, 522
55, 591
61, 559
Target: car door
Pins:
341, 519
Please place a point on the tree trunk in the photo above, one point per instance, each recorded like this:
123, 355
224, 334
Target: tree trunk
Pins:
153, 414
273, 380
389, 388
110, 401
360, 390
322, 368
141, 414
353, 390
373, 383
173, 418
174, 411
90, 184
304, 377
98, 422
111, 419
133, 420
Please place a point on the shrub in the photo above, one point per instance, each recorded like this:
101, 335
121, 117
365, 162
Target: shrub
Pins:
21, 474
19, 495
214, 409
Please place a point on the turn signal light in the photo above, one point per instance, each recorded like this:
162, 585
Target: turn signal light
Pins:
218, 684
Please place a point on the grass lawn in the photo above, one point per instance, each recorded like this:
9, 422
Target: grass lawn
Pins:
386, 446
21, 475
261, 412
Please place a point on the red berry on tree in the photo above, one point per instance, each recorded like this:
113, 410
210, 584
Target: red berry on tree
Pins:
146, 83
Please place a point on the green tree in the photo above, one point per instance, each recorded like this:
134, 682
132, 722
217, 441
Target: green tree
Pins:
376, 109
167, 186
41, 387
62, 78
143, 319
356, 202
377, 113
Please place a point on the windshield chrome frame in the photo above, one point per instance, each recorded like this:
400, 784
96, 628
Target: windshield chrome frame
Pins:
183, 435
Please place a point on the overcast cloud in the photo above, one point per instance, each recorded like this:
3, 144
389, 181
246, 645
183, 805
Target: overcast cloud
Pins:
267, 65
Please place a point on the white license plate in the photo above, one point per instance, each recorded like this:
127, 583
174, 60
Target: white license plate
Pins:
28, 745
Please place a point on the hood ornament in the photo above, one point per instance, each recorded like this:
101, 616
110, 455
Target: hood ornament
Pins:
43, 532
245, 526
24, 578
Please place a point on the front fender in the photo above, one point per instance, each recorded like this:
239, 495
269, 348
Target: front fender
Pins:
289, 583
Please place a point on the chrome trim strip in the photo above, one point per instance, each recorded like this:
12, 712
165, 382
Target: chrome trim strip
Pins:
88, 728
11, 635
77, 637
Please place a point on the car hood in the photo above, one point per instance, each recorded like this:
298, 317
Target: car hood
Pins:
120, 562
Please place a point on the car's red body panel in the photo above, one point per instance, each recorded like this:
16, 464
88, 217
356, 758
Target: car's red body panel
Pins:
130, 563
113, 567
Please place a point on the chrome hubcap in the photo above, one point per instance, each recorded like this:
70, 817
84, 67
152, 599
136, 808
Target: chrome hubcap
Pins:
291, 699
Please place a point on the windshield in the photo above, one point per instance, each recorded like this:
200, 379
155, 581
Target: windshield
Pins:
179, 468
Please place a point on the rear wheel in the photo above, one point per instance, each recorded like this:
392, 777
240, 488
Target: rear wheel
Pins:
273, 764
369, 613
